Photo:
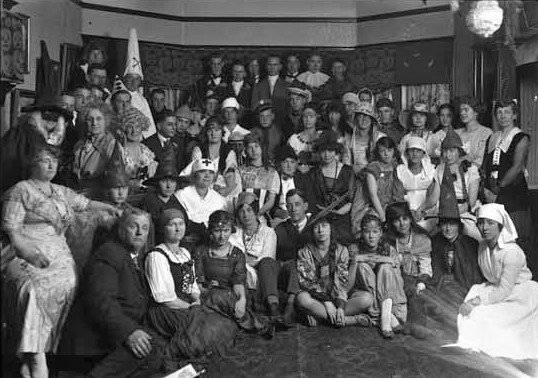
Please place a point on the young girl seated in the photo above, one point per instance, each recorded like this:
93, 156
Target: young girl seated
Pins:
222, 274
414, 249
379, 184
323, 274
375, 267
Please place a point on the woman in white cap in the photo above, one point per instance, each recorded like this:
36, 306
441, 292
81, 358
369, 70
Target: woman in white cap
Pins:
417, 176
359, 146
500, 317
199, 199
230, 111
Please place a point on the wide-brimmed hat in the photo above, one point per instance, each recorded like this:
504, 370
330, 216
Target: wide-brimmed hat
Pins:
367, 109
301, 90
328, 140
416, 142
236, 136
419, 107
167, 167
230, 102
453, 140
263, 105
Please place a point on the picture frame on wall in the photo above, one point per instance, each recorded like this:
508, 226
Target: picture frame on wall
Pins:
15, 57
69, 54
20, 99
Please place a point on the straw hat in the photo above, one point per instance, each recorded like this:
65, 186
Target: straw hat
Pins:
367, 109
301, 90
419, 107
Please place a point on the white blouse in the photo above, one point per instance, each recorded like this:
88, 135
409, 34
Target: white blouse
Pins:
161, 282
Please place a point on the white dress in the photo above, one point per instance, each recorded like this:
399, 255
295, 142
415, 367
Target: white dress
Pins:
416, 187
505, 324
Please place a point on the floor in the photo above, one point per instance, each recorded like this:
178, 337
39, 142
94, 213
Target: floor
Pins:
305, 352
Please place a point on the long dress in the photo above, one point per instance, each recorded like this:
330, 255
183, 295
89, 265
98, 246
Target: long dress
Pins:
505, 324
40, 298
194, 331
219, 275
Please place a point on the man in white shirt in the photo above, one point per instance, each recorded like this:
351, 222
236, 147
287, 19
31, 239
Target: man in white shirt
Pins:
230, 111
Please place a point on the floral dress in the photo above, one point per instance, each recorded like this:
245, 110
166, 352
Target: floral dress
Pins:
142, 168
40, 298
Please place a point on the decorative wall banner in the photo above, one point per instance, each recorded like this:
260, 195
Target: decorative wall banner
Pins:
15, 46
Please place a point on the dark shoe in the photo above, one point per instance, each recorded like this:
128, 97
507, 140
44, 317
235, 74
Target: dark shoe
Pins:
268, 332
421, 332
398, 329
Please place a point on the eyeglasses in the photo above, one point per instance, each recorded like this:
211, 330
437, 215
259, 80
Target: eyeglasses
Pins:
50, 116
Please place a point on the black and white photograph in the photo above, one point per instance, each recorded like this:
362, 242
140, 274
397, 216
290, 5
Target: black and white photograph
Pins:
269, 188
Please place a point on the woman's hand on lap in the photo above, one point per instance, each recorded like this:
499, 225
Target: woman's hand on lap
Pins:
240, 308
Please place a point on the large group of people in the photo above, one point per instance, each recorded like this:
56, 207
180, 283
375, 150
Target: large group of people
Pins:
259, 203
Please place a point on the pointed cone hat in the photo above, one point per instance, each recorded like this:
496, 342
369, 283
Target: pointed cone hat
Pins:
48, 85
453, 140
448, 204
133, 65
115, 175
118, 86
167, 166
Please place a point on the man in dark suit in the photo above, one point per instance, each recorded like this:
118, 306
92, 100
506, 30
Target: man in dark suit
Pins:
214, 81
273, 88
291, 235
166, 122
242, 91
107, 323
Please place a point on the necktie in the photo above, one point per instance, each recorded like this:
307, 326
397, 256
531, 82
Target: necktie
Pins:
134, 257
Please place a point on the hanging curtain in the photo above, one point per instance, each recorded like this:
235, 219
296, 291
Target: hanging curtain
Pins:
432, 94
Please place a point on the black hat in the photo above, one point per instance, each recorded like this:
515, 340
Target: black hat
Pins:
284, 152
328, 141
384, 103
263, 105
48, 96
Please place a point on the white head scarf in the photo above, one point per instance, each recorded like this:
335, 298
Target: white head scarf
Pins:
497, 212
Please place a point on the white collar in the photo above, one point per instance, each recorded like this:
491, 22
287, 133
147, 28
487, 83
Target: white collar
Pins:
272, 79
162, 139
302, 224
504, 142
236, 84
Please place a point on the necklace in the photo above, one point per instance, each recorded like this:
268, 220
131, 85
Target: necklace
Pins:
38, 187
248, 240
218, 252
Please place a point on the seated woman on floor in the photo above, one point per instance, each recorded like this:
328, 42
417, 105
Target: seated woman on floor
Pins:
39, 277
414, 247
500, 317
375, 267
176, 313
454, 263
322, 268
221, 272
258, 242
378, 184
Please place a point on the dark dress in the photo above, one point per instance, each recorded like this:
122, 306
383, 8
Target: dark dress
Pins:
155, 206
218, 276
195, 331
515, 196
455, 270
326, 190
